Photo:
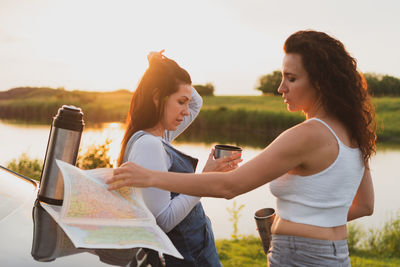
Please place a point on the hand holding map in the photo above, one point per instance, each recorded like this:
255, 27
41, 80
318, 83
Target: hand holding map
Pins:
94, 217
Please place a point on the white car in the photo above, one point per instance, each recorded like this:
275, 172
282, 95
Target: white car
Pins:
30, 237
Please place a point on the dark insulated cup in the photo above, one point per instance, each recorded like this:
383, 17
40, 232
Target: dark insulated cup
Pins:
264, 219
222, 151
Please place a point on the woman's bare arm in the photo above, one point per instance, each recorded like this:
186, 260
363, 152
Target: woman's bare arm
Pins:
281, 156
363, 203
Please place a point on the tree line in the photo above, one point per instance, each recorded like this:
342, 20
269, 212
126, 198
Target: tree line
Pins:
378, 85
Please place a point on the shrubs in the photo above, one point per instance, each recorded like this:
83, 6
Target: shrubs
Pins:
94, 157
354, 236
31, 168
385, 242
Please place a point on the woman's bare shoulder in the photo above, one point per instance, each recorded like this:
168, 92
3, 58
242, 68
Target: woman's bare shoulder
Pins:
307, 131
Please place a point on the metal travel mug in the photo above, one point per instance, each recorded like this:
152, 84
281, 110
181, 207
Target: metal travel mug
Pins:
63, 144
222, 151
264, 219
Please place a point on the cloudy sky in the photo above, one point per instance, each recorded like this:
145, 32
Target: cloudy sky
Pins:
102, 45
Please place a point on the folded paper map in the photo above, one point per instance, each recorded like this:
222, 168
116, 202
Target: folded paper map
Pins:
94, 217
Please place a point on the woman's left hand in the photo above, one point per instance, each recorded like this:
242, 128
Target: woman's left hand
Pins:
155, 54
129, 174
222, 164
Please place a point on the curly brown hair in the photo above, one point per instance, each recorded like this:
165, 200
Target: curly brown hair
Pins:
342, 89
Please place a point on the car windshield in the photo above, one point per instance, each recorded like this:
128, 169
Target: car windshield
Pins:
14, 192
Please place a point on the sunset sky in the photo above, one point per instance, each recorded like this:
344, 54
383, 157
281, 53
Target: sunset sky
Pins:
102, 45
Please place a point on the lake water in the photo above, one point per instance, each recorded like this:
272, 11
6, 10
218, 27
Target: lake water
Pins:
16, 139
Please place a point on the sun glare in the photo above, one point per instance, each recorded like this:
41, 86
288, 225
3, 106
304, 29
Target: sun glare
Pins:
100, 44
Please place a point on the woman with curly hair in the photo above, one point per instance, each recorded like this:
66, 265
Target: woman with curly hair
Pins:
318, 170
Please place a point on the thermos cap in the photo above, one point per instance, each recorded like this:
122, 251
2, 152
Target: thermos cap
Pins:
69, 117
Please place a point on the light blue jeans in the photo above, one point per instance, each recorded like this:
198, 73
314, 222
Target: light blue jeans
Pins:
300, 251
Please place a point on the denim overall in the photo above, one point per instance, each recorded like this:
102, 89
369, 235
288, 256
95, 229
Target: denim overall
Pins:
193, 236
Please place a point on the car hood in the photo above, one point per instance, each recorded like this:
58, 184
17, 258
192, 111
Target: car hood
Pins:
30, 236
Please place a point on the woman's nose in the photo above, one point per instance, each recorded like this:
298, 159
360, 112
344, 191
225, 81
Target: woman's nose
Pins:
282, 89
186, 111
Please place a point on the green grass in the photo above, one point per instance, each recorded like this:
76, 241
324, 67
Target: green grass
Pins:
360, 261
248, 252
388, 118
265, 103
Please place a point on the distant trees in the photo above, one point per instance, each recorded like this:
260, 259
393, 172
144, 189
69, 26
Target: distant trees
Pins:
269, 84
382, 85
378, 85
205, 90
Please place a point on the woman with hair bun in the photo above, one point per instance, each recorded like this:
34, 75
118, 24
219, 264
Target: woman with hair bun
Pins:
318, 170
163, 105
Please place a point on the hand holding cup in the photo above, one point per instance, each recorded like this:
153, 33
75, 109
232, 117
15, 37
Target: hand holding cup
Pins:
223, 158
222, 151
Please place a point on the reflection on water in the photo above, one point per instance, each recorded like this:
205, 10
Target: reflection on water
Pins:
16, 139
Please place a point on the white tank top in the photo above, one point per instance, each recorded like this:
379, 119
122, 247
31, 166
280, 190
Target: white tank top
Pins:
322, 199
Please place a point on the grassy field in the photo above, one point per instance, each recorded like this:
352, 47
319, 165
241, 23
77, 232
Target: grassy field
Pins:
247, 119
388, 118
387, 110
265, 103
39, 105
231, 117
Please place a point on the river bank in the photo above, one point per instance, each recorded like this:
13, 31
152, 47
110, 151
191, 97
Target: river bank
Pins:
235, 119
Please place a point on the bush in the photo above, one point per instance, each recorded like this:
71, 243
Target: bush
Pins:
385, 242
95, 157
30, 168
354, 236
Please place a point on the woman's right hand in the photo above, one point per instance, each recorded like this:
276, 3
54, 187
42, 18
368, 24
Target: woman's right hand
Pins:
222, 164
129, 174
